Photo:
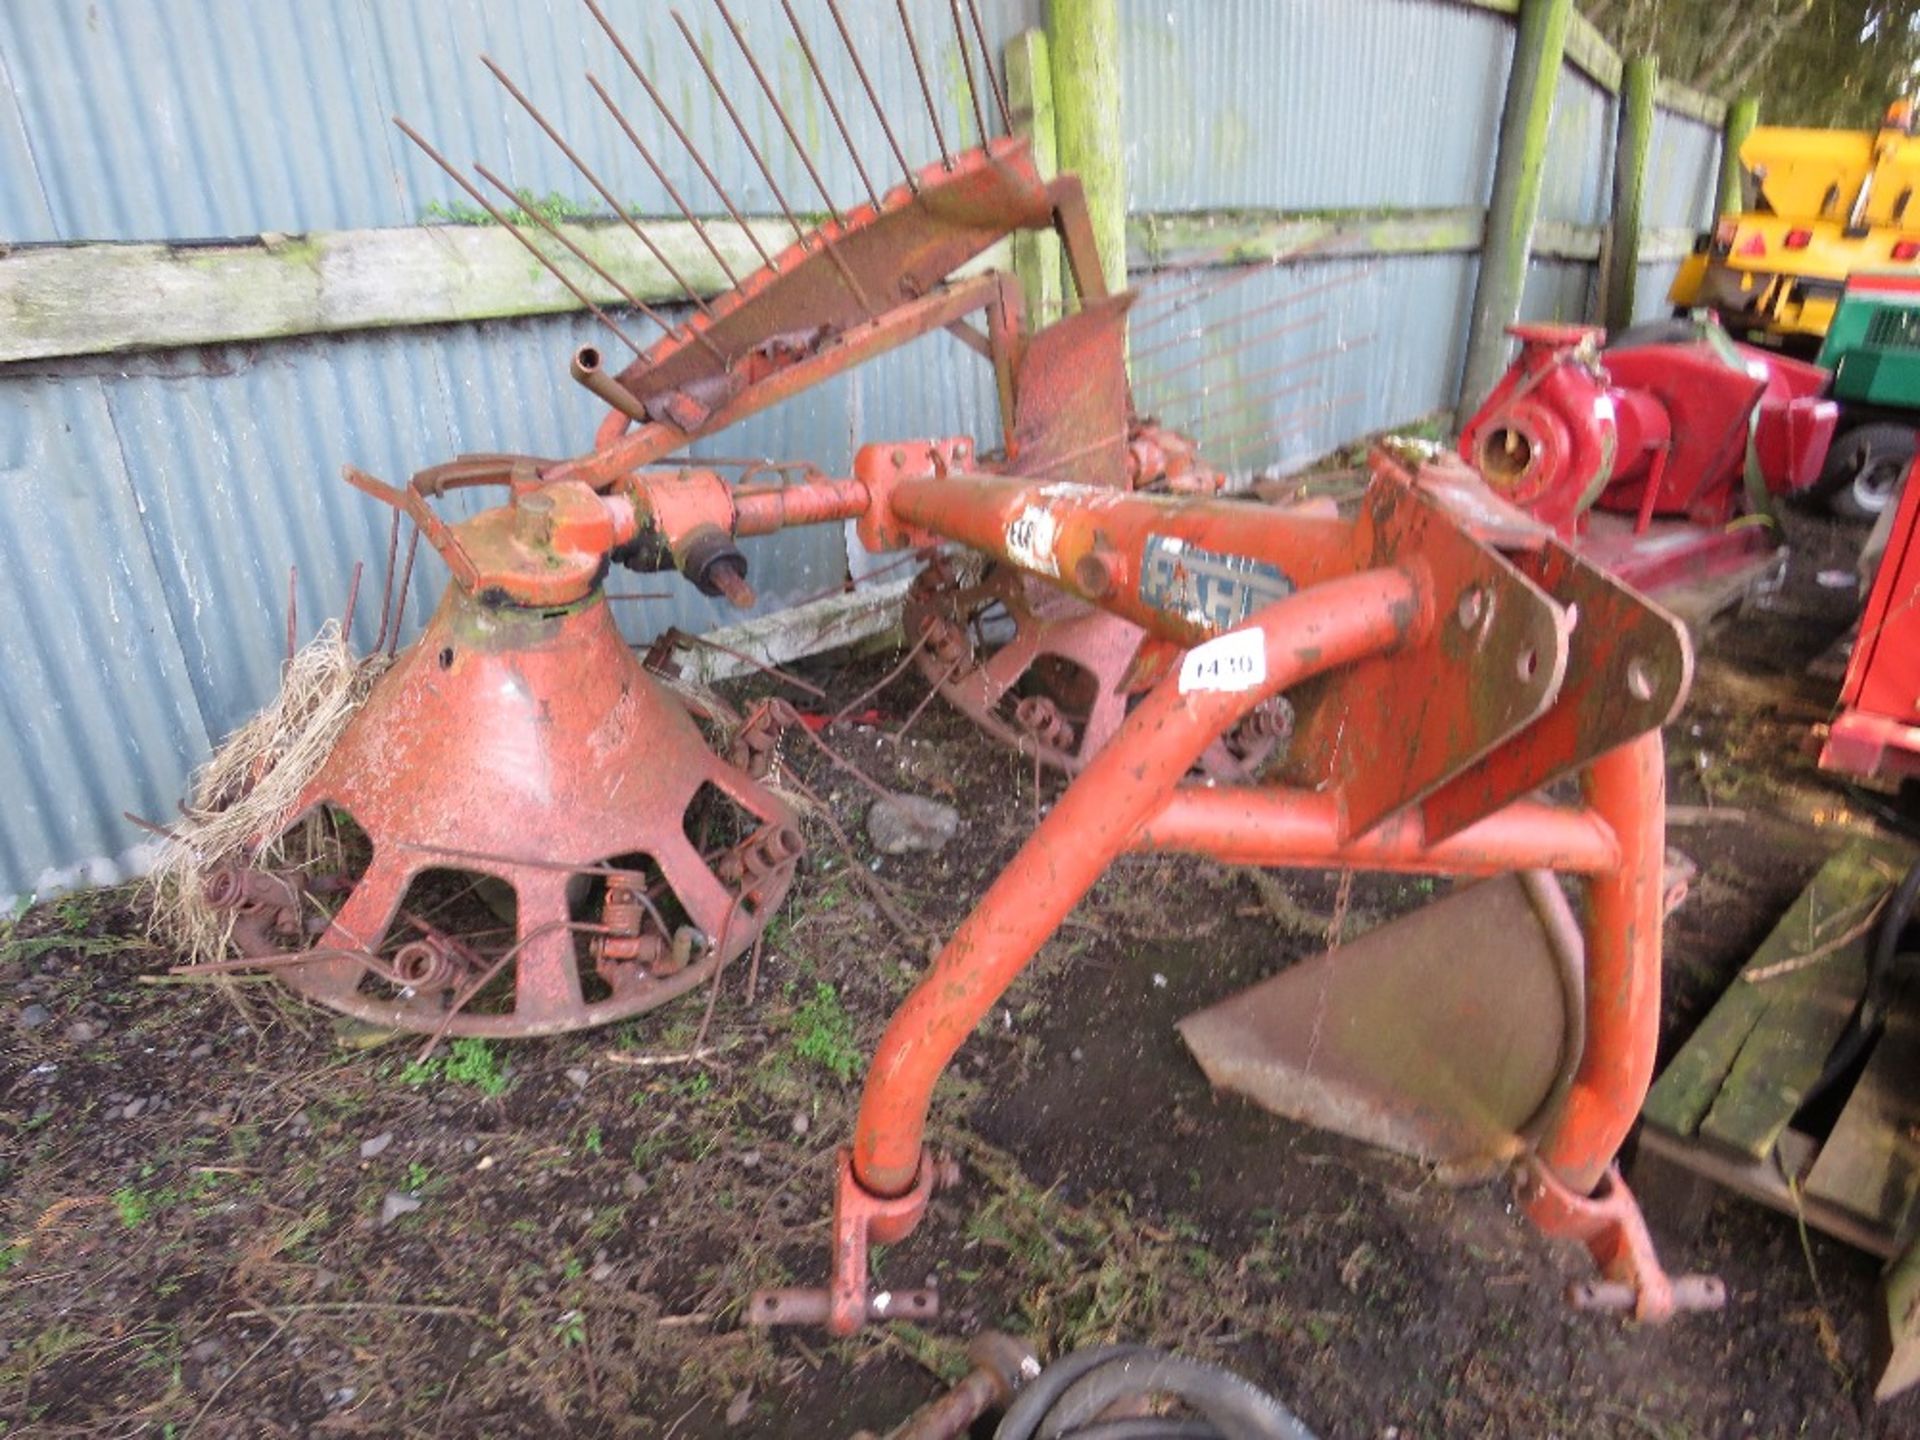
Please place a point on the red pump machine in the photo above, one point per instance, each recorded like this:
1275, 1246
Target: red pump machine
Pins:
1648, 454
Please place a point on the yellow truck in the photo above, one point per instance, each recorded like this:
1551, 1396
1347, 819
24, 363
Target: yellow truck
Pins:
1820, 204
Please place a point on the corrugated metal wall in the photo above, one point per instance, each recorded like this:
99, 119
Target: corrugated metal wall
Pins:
153, 506
1683, 166
1316, 106
1311, 104
149, 617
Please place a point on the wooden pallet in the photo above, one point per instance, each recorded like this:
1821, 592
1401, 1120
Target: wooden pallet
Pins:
1723, 1112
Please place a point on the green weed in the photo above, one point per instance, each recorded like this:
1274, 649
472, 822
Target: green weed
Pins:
823, 1034
469, 1061
572, 1329
551, 206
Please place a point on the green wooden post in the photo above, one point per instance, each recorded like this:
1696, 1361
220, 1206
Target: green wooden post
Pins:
1538, 48
1083, 40
1036, 253
1742, 115
1629, 188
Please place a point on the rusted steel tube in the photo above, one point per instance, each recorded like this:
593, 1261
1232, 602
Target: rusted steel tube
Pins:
1321, 629
805, 502
1627, 789
1298, 829
1093, 536
587, 369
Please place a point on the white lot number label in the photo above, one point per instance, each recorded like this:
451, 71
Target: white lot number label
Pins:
1030, 539
1234, 661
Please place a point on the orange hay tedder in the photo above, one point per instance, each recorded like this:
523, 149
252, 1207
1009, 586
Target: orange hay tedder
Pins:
1434, 683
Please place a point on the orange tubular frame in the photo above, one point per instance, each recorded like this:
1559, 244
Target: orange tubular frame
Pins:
1349, 612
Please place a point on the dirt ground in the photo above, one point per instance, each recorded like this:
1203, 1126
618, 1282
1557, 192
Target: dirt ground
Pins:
216, 1218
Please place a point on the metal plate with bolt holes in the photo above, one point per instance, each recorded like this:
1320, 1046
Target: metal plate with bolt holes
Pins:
1629, 665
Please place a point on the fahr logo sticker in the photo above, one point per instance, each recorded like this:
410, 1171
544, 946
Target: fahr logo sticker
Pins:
1205, 587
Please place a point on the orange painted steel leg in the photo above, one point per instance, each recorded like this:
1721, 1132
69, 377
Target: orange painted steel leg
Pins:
1627, 788
1570, 1187
1094, 821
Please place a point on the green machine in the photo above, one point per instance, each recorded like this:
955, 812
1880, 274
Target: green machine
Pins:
1873, 350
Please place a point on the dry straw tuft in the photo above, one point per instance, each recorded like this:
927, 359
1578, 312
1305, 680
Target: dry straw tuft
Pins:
242, 798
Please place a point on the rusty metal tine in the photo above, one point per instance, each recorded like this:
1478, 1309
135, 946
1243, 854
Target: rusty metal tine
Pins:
833, 108
353, 601
515, 231
926, 87
1206, 357
993, 78
1298, 420
406, 580
1191, 288
673, 193
1279, 302
866, 82
966, 66
739, 125
386, 591
1201, 292
779, 110
585, 259
606, 194
1294, 364
1268, 397
293, 609
673, 124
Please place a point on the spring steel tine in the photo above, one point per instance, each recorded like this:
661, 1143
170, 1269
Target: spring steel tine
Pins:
1191, 286
1294, 364
779, 110
353, 602
1207, 357
846, 274
1201, 292
673, 193
585, 259
1280, 302
673, 124
594, 180
866, 82
1299, 420
926, 89
986, 60
966, 66
1201, 362
833, 108
532, 249
1210, 416
739, 125
386, 593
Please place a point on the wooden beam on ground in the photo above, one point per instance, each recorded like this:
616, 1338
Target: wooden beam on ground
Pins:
1744, 1072
803, 630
